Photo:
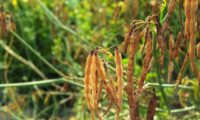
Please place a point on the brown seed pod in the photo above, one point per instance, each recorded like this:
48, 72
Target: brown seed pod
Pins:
119, 73
87, 84
179, 78
94, 81
102, 74
172, 55
3, 31
198, 19
187, 5
170, 70
127, 39
132, 99
198, 50
147, 61
151, 107
192, 29
179, 40
133, 46
132, 102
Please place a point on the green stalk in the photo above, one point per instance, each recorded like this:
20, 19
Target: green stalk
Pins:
158, 71
21, 59
41, 82
169, 86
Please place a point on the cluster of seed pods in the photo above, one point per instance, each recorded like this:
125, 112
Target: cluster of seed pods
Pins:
191, 7
132, 41
96, 78
164, 44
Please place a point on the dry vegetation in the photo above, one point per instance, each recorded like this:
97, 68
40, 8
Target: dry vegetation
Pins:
123, 59
158, 38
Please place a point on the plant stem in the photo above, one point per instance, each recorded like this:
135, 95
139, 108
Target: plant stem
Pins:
168, 86
41, 82
23, 60
37, 54
158, 71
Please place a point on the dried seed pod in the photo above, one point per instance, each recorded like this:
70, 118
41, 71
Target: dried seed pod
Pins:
119, 73
198, 19
179, 40
3, 31
94, 81
198, 50
179, 78
102, 74
132, 99
87, 84
187, 5
132, 102
127, 39
151, 107
171, 7
134, 43
147, 61
172, 55
170, 70
192, 29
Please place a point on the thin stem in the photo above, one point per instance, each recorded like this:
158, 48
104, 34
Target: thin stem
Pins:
157, 66
23, 60
37, 54
41, 82
168, 86
183, 109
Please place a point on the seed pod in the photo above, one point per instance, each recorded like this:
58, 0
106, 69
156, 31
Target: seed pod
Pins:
127, 39
179, 78
87, 84
94, 81
102, 75
119, 73
171, 46
151, 107
132, 99
198, 50
3, 31
179, 40
171, 7
187, 6
147, 61
170, 70
133, 46
193, 9
198, 19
